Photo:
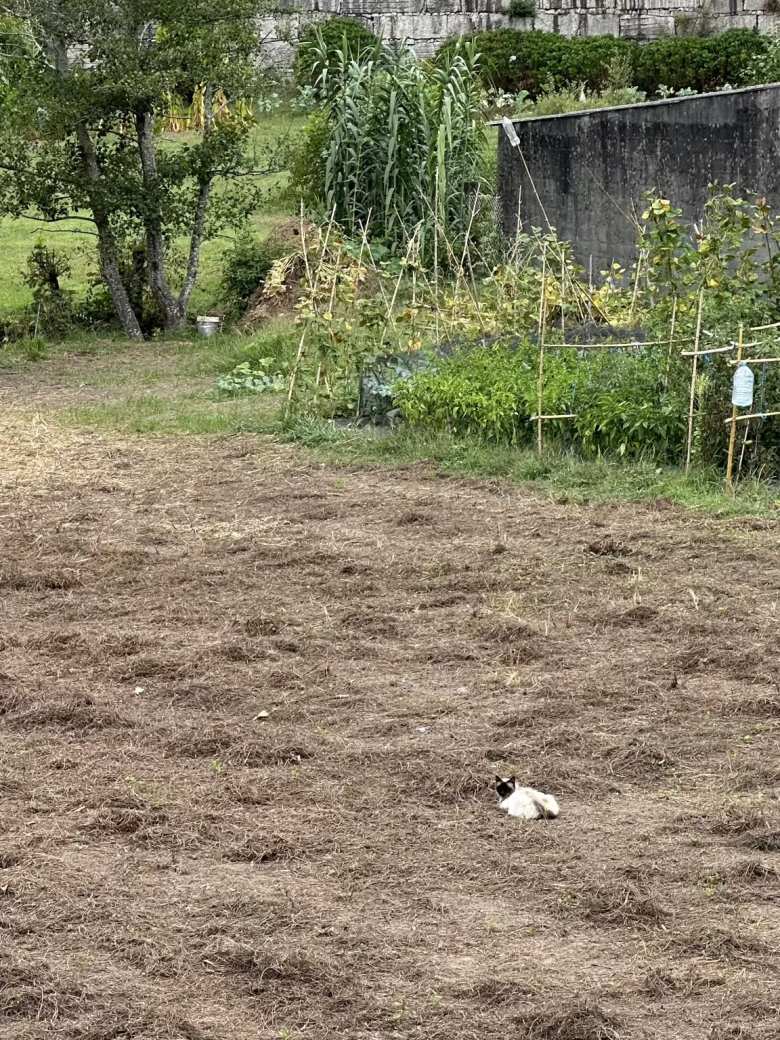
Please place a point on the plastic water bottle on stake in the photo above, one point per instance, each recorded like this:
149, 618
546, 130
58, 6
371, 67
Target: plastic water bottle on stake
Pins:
742, 387
511, 133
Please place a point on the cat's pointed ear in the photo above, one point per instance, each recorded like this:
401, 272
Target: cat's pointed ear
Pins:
513, 779
499, 779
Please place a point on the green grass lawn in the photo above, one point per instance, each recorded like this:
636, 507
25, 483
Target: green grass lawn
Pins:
17, 237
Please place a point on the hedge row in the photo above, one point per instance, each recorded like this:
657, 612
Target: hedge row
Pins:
513, 60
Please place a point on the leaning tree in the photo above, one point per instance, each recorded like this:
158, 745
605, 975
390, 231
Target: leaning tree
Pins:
83, 85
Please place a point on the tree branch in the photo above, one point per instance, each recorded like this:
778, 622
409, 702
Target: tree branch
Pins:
70, 231
55, 220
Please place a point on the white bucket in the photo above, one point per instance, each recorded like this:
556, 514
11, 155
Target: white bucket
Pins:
208, 326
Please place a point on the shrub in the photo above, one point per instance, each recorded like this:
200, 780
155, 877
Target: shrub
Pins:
97, 308
621, 402
620, 71
46, 269
512, 60
522, 8
764, 67
698, 63
593, 59
308, 158
481, 391
341, 37
247, 263
14, 328
623, 408
487, 390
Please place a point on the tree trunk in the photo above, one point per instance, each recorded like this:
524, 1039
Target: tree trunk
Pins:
109, 261
196, 241
173, 313
201, 209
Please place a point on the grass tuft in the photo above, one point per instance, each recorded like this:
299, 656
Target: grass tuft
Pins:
615, 903
581, 1020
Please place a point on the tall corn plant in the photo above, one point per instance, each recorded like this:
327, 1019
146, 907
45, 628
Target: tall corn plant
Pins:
406, 146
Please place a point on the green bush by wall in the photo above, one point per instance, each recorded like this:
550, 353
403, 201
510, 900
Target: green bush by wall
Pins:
513, 60
333, 32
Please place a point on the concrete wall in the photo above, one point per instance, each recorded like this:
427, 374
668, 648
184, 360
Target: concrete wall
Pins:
591, 169
426, 23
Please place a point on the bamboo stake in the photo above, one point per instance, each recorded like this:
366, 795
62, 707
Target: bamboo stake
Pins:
753, 415
467, 239
563, 293
636, 285
706, 353
303, 241
313, 284
671, 342
607, 345
756, 360
540, 379
568, 415
733, 430
294, 372
694, 374
742, 453
390, 307
322, 367
365, 247
436, 259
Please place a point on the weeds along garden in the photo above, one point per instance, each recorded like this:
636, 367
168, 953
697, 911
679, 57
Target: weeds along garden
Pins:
353, 251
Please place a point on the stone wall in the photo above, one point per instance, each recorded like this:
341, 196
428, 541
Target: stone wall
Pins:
426, 23
587, 172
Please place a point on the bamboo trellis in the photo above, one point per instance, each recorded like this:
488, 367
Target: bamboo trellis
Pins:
735, 417
695, 354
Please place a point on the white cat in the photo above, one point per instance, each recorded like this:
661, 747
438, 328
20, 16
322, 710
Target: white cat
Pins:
524, 802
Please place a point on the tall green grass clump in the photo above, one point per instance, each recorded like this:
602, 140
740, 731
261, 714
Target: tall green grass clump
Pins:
336, 37
400, 146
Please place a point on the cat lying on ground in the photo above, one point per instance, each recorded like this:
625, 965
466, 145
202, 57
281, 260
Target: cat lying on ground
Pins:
524, 802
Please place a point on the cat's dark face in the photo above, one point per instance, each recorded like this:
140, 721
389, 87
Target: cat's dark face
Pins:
505, 785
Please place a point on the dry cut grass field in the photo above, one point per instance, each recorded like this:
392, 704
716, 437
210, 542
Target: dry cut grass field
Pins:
250, 712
